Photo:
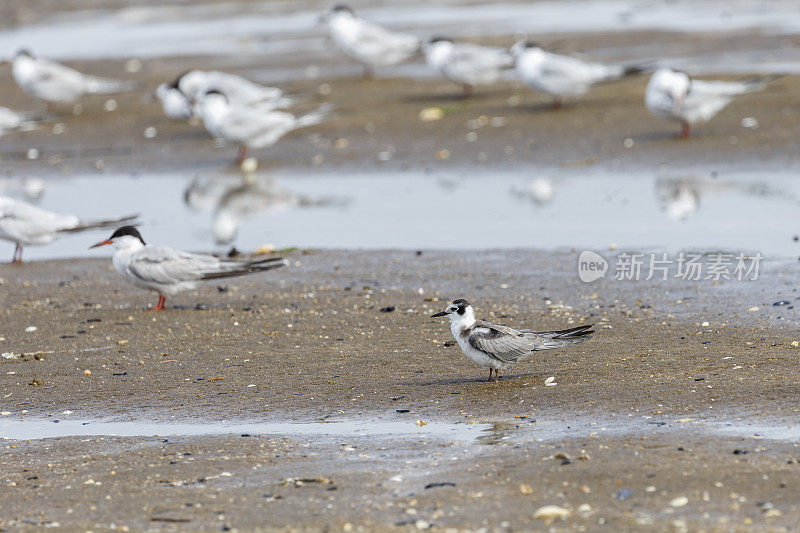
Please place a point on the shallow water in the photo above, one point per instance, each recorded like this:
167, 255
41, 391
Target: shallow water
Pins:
45, 429
735, 212
523, 429
264, 30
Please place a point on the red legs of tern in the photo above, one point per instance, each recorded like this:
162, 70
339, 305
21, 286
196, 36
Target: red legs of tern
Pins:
161, 302
17, 258
685, 128
242, 154
496, 375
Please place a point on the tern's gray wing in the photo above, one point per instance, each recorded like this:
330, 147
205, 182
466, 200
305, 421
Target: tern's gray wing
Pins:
161, 264
164, 265
501, 342
256, 128
482, 57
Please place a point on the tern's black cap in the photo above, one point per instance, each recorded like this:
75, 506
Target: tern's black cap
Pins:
439, 39
128, 230
342, 8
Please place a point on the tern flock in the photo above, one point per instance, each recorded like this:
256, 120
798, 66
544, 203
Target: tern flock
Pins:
236, 110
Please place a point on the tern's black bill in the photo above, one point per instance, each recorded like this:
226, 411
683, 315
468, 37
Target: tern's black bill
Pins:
443, 313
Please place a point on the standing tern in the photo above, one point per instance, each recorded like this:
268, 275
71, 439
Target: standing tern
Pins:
497, 347
56, 83
250, 126
168, 271
673, 95
563, 76
467, 64
26, 224
366, 42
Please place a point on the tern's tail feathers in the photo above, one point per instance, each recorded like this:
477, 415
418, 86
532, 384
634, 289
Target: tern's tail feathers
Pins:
108, 86
315, 117
564, 337
240, 268
759, 83
637, 68
101, 224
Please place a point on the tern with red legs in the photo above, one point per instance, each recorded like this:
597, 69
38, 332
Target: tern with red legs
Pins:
168, 271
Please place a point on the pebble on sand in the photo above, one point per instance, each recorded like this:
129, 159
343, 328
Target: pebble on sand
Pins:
431, 114
548, 513
680, 501
249, 165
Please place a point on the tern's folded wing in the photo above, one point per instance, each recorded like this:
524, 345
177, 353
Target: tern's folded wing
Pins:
500, 342
482, 57
370, 34
160, 264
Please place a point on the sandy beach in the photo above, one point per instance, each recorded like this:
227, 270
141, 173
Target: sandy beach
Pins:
323, 396
655, 399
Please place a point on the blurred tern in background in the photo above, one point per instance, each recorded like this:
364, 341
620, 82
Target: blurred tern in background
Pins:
366, 42
467, 64
56, 83
673, 95
250, 126
28, 225
11, 120
237, 90
177, 97
563, 76
168, 271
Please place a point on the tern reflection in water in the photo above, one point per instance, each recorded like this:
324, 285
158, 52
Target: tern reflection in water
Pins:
235, 200
31, 189
679, 197
539, 191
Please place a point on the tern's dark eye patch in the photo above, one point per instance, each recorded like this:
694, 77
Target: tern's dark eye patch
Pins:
461, 310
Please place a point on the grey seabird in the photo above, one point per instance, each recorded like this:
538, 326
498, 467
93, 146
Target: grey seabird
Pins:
497, 347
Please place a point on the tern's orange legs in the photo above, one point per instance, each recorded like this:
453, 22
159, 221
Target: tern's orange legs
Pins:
685, 128
161, 301
242, 154
17, 258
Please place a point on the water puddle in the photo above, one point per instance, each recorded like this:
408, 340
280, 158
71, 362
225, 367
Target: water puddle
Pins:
411, 210
778, 431
520, 430
34, 429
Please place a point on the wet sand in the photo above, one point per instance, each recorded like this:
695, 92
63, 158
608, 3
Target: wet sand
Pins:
645, 401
